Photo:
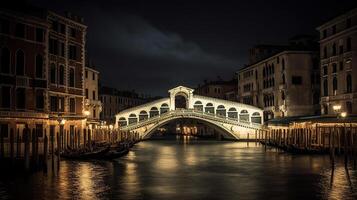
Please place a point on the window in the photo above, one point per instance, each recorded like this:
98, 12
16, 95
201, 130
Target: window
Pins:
73, 32
348, 23
325, 70
334, 68
60, 104
20, 30
5, 60
334, 85
61, 75
53, 104
39, 130
71, 77
340, 49
349, 107
324, 33
94, 113
334, 49
349, 83
72, 105
282, 64
4, 26
39, 66
20, 98
53, 46
5, 97
62, 28
341, 65
61, 49
86, 73
20, 63
296, 80
40, 101
277, 60
325, 86
53, 73
72, 52
87, 94
349, 44
39, 34
282, 95
93, 76
55, 26
333, 29
93, 93
283, 78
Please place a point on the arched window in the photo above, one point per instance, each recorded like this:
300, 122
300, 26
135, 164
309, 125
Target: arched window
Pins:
334, 49
283, 78
53, 73
325, 52
133, 119
325, 86
325, 109
221, 111
5, 60
349, 107
334, 85
198, 106
209, 108
71, 77
256, 118
61, 75
154, 112
264, 72
349, 83
244, 116
282, 64
143, 115
232, 113
164, 108
282, 95
122, 121
20, 63
39, 66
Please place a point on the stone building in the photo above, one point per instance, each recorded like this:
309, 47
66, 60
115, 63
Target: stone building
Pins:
92, 104
114, 101
41, 78
218, 89
284, 84
338, 54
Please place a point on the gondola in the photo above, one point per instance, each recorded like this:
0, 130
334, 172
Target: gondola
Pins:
112, 154
86, 155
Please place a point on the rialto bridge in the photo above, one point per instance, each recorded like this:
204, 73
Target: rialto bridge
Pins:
233, 120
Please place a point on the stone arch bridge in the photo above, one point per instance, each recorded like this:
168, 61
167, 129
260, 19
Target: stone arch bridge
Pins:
233, 120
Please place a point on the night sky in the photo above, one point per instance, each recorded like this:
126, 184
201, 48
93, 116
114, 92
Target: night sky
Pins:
152, 46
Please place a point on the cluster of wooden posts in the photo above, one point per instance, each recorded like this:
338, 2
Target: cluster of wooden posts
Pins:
32, 150
335, 139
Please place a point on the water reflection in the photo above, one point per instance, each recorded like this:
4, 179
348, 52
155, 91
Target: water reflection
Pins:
191, 169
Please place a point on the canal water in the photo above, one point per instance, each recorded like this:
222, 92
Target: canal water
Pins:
191, 169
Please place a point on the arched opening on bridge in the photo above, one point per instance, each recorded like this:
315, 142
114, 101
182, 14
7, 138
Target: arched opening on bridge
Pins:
198, 106
232, 113
189, 127
133, 119
154, 112
221, 111
164, 108
244, 116
209, 108
256, 118
122, 121
181, 101
143, 115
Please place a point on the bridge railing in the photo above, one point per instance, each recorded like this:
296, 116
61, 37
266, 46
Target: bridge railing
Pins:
191, 112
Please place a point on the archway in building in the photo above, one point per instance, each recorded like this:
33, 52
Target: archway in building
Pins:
181, 101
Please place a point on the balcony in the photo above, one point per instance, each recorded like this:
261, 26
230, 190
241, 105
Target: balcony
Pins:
92, 103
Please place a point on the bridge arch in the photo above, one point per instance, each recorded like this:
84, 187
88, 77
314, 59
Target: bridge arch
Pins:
143, 115
154, 112
256, 118
221, 111
181, 100
227, 133
209, 108
233, 113
244, 116
164, 108
198, 106
122, 121
133, 119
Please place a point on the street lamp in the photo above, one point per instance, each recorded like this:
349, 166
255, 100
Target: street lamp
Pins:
343, 114
336, 107
86, 113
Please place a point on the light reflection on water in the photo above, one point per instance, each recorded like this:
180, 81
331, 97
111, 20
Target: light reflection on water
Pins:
190, 169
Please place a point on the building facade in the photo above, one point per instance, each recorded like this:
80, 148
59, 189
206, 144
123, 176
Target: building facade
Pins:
218, 89
92, 104
42, 64
114, 101
285, 84
338, 54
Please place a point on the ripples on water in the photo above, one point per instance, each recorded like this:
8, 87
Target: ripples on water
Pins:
169, 169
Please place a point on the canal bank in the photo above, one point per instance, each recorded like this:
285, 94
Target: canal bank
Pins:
191, 169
